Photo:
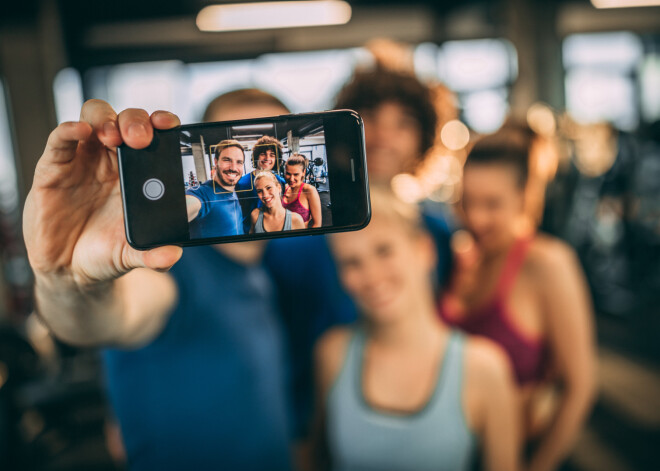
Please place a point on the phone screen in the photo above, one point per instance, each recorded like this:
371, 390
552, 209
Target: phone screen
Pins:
249, 179
256, 178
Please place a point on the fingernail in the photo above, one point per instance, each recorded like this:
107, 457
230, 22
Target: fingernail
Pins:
109, 128
137, 130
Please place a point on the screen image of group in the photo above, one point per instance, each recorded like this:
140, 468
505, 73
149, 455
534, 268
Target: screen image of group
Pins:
255, 178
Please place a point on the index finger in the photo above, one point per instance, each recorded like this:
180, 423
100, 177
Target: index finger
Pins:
103, 120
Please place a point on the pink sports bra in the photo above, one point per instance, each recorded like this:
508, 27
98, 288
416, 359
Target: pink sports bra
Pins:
297, 207
492, 320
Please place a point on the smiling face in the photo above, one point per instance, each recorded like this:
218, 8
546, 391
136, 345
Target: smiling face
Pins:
493, 202
294, 175
229, 167
385, 268
269, 192
266, 160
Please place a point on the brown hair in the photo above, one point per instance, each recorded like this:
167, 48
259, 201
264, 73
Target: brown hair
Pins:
510, 146
298, 159
222, 145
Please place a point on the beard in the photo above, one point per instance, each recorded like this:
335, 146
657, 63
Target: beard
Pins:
228, 178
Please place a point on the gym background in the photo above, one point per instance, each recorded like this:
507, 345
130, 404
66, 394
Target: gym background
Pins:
585, 75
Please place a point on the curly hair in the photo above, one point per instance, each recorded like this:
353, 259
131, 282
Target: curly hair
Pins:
263, 145
369, 89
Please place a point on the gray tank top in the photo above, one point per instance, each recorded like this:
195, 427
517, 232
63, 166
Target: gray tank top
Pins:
434, 438
259, 225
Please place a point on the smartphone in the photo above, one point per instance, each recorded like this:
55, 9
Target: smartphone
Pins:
244, 180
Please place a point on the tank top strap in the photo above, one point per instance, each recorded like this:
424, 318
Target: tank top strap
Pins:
350, 372
259, 225
300, 190
449, 387
287, 221
512, 265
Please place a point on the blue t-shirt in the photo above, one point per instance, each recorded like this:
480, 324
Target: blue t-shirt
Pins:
209, 392
248, 198
220, 214
312, 299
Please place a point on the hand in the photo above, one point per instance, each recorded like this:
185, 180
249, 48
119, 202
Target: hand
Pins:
73, 222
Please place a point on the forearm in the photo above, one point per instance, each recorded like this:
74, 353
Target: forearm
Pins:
558, 441
85, 316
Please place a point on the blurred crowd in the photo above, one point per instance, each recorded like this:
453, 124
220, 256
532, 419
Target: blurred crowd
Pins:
455, 332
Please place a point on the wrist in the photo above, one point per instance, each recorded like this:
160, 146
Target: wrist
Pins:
66, 282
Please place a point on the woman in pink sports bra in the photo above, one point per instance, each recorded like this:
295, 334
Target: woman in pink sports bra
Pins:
526, 292
301, 197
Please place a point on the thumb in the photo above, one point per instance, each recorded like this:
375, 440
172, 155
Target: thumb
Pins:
160, 258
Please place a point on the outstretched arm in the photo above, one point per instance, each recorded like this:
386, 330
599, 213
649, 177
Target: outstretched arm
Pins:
74, 233
193, 205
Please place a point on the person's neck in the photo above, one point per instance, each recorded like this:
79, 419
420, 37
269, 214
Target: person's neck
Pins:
229, 188
495, 254
274, 211
419, 323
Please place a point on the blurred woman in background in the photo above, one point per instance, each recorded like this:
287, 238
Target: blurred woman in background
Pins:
526, 292
272, 216
399, 390
301, 197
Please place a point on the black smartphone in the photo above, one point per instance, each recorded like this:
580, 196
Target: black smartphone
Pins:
244, 180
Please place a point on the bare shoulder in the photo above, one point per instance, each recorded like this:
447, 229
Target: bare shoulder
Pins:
297, 221
486, 363
329, 354
333, 342
548, 255
254, 214
309, 189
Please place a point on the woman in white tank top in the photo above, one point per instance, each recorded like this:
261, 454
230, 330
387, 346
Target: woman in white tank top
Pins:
400, 390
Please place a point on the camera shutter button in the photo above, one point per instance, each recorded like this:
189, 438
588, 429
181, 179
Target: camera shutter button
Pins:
153, 189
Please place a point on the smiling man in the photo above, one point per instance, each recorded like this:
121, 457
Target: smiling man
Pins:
213, 208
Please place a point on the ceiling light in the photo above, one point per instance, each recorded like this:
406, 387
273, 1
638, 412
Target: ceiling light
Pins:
269, 15
624, 3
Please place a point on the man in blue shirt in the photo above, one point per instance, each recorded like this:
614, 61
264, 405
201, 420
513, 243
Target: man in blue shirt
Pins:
194, 356
213, 208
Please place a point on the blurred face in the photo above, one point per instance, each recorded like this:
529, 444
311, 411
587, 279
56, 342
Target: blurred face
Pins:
393, 139
492, 203
266, 160
384, 268
229, 166
268, 192
294, 175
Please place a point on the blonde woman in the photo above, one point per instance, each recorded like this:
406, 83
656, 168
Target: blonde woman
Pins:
400, 390
272, 216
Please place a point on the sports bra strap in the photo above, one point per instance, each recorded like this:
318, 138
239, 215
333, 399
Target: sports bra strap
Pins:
512, 266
